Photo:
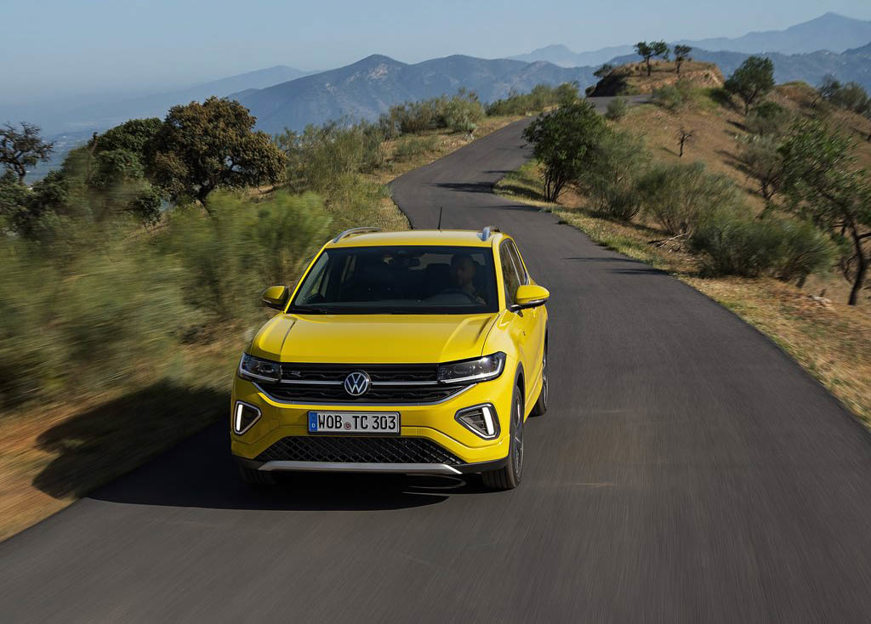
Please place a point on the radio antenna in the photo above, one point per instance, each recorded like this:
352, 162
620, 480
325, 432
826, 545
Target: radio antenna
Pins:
441, 209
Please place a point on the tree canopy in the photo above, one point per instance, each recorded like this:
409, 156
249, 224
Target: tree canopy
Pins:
823, 184
565, 141
20, 149
681, 54
752, 80
650, 49
203, 147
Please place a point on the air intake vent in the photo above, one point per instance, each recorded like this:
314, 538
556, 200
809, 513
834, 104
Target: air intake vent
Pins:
480, 420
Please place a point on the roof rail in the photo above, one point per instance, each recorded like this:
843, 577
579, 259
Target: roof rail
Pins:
487, 231
357, 230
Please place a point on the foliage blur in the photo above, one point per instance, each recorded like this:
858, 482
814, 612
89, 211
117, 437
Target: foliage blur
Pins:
540, 98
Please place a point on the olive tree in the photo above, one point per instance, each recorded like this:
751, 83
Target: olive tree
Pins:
752, 80
823, 184
21, 149
566, 142
203, 147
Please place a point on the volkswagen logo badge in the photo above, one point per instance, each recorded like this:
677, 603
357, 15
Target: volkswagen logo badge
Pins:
357, 383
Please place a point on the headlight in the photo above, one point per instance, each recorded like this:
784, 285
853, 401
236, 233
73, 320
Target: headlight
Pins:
256, 369
478, 369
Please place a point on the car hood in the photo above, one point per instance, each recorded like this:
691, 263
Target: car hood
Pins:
372, 339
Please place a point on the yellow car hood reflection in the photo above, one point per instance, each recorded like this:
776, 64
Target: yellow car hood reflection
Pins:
372, 339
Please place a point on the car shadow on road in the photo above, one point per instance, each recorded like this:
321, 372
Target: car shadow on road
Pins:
200, 473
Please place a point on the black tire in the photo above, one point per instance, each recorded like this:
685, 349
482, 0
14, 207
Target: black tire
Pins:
508, 477
256, 477
540, 407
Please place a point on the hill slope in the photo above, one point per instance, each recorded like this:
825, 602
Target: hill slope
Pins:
367, 88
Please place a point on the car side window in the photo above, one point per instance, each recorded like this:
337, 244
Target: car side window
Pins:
518, 263
510, 275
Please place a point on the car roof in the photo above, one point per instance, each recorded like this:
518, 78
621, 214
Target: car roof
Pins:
457, 238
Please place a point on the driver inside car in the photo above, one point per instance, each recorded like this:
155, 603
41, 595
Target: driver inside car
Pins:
463, 270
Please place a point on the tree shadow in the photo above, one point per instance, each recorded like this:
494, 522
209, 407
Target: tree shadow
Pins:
113, 438
467, 187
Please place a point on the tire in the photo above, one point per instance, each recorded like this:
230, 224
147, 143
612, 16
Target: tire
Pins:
508, 477
540, 407
256, 477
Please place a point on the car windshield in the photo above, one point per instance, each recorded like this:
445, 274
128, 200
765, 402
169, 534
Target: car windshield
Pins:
399, 280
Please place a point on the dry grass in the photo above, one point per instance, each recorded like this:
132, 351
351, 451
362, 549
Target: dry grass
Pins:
830, 339
716, 131
442, 142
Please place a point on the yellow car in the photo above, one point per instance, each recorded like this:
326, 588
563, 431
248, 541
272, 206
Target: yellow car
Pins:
418, 352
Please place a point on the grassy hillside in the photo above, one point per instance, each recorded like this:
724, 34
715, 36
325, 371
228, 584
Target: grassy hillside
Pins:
813, 323
632, 78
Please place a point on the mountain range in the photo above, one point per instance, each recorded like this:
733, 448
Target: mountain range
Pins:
830, 32
370, 86
283, 96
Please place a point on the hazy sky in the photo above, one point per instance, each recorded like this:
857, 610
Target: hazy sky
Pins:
58, 47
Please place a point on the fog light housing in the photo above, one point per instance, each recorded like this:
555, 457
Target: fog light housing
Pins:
244, 417
480, 420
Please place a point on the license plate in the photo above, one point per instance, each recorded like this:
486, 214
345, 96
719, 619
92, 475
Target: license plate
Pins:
353, 422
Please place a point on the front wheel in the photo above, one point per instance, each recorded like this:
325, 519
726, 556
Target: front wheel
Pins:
508, 477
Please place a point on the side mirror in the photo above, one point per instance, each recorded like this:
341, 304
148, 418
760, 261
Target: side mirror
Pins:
530, 296
275, 297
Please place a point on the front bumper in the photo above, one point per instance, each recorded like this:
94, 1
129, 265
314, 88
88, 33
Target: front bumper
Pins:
372, 467
434, 422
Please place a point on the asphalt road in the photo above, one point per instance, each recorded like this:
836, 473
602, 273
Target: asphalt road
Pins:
688, 471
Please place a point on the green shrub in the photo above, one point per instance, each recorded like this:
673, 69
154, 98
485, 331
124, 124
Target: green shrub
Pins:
541, 97
410, 147
678, 196
768, 119
611, 178
104, 309
735, 243
674, 97
460, 113
463, 112
617, 109
805, 250
321, 154
243, 247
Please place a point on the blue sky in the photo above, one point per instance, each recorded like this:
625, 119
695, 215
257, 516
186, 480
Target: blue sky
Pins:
58, 47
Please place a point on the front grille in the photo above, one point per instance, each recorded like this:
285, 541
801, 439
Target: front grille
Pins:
391, 384
383, 373
359, 450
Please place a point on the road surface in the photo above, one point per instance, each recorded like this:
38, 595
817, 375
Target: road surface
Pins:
687, 471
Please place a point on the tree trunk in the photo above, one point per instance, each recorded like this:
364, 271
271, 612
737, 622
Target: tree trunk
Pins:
861, 270
647, 60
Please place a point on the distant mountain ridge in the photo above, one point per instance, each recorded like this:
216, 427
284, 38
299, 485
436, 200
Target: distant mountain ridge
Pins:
832, 32
851, 65
367, 88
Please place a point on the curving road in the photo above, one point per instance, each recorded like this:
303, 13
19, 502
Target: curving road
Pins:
688, 471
